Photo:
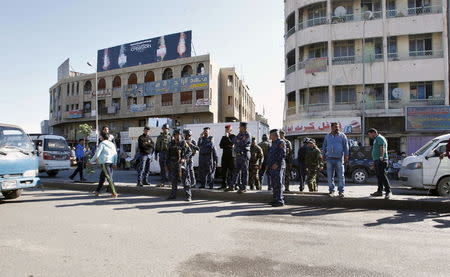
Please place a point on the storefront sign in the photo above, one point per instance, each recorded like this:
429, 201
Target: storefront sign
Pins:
430, 118
75, 114
349, 125
203, 102
103, 93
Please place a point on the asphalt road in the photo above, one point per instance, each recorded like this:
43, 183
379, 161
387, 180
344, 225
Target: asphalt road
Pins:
66, 233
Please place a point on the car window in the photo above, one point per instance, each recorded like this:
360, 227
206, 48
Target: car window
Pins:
55, 145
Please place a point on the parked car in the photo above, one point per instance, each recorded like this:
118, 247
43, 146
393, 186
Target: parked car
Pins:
54, 153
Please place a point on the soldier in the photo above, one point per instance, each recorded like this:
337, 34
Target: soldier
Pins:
161, 151
226, 143
146, 147
177, 155
242, 150
276, 165
287, 173
313, 161
190, 164
207, 160
256, 160
265, 145
301, 161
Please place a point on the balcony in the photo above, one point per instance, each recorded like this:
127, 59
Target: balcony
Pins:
312, 22
289, 32
310, 108
413, 11
291, 110
290, 69
374, 104
314, 65
354, 17
357, 59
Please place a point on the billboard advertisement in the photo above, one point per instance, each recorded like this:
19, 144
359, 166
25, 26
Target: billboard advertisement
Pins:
349, 125
316, 65
164, 48
431, 118
64, 70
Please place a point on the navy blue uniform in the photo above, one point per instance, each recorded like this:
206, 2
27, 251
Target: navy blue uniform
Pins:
242, 144
177, 169
190, 164
276, 165
207, 161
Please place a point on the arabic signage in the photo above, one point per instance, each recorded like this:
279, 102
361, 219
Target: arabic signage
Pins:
203, 102
103, 93
316, 65
430, 118
135, 108
349, 125
169, 86
75, 114
164, 48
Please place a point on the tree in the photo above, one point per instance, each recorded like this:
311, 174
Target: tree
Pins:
85, 130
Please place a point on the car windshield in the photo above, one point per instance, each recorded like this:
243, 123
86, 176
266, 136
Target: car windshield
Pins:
55, 145
14, 138
425, 148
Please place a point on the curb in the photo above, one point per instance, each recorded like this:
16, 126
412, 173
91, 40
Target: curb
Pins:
301, 199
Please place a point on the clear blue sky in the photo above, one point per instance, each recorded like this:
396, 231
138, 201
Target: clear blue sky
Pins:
37, 36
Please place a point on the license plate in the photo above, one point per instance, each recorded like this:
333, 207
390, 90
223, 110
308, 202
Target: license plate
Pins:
9, 184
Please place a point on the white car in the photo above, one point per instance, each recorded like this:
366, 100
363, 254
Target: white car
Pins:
54, 153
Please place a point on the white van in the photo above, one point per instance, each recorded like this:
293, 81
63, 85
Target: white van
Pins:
54, 153
424, 169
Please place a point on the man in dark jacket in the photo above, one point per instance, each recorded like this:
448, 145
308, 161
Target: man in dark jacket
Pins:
226, 143
207, 160
146, 148
79, 154
302, 163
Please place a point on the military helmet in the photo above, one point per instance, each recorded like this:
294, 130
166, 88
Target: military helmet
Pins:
305, 140
165, 126
187, 132
264, 137
176, 132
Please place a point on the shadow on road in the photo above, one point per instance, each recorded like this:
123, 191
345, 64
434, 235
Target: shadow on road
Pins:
410, 217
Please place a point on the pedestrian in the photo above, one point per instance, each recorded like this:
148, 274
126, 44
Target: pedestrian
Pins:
79, 155
190, 163
289, 151
256, 160
241, 145
380, 160
161, 152
313, 163
207, 160
146, 147
105, 156
265, 145
276, 164
302, 163
336, 152
105, 129
179, 152
227, 162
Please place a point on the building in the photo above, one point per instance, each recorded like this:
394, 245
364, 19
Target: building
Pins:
186, 90
399, 50
45, 127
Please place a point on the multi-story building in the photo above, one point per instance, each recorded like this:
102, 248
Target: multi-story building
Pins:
187, 90
362, 62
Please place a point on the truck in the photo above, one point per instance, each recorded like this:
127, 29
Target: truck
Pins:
18, 161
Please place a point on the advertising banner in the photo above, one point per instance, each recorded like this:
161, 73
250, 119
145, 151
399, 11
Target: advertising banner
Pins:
75, 114
103, 93
135, 108
64, 70
316, 65
164, 48
349, 125
430, 118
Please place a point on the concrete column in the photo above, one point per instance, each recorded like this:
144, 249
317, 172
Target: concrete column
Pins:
445, 43
385, 58
297, 102
330, 61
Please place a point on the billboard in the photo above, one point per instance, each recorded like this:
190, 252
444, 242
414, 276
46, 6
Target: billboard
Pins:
431, 118
64, 70
349, 125
316, 65
164, 48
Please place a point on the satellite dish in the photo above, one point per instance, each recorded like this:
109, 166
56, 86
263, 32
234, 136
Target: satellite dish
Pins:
397, 93
368, 15
340, 11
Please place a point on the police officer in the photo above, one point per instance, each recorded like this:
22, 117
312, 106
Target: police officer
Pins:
256, 160
161, 152
146, 147
227, 163
207, 160
242, 150
194, 149
313, 161
276, 165
301, 161
177, 155
287, 173
265, 145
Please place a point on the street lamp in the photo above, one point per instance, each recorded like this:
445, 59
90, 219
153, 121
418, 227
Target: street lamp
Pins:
367, 15
96, 105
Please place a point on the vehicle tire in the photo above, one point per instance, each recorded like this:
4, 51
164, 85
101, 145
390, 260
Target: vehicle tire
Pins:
359, 176
52, 173
295, 174
443, 188
12, 194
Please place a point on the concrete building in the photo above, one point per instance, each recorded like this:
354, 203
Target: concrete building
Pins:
127, 97
333, 49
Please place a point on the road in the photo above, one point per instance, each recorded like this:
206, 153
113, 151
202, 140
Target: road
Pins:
67, 233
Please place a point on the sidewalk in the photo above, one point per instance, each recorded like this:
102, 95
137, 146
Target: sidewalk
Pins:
357, 195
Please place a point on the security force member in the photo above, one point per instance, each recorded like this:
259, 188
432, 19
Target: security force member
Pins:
190, 164
242, 150
161, 152
207, 160
265, 145
313, 161
146, 148
227, 163
288, 159
276, 165
256, 160
178, 153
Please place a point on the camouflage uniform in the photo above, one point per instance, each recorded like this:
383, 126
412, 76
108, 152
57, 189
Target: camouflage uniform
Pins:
288, 159
189, 163
313, 160
161, 151
256, 160
265, 145
242, 149
178, 173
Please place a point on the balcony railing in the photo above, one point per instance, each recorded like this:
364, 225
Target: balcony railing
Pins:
413, 11
289, 32
374, 104
312, 22
165, 104
358, 59
434, 100
314, 65
290, 69
319, 107
416, 55
354, 17
291, 110
186, 102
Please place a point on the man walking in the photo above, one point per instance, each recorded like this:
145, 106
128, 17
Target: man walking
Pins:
207, 160
105, 129
335, 151
189, 163
146, 147
265, 145
79, 155
161, 152
276, 165
313, 163
242, 150
179, 152
227, 162
287, 172
380, 160
256, 160
302, 151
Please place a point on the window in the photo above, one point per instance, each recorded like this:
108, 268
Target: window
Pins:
73, 89
371, 5
87, 107
186, 97
67, 108
317, 50
142, 122
116, 103
230, 100
345, 95
392, 47
187, 71
149, 77
76, 107
200, 69
167, 99
392, 96
149, 101
167, 74
344, 48
68, 89
200, 94
419, 6
302, 100
318, 95
117, 82
101, 84
230, 80
131, 101
291, 99
317, 15
420, 45
87, 86
132, 80
421, 90
78, 87
376, 92
72, 107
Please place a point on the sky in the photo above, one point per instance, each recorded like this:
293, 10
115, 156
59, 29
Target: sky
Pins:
39, 35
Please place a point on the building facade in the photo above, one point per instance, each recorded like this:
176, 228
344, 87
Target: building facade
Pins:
186, 90
362, 63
